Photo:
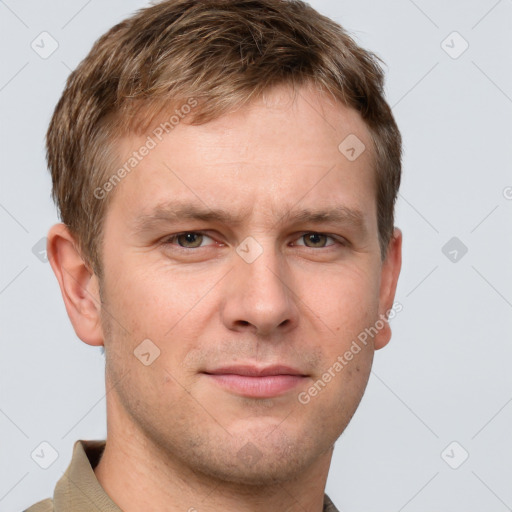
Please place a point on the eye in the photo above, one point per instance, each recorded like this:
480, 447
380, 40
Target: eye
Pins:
317, 240
188, 239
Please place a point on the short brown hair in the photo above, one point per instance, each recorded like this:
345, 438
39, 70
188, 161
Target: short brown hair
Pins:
223, 53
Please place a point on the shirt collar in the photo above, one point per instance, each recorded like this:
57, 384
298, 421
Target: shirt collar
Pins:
79, 489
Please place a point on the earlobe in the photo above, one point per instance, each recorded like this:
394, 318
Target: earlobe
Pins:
78, 284
389, 279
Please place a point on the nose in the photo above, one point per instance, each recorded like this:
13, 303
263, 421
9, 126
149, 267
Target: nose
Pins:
259, 296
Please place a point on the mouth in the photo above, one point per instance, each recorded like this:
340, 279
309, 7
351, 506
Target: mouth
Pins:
254, 382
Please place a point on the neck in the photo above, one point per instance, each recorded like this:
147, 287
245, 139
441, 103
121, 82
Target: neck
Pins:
134, 473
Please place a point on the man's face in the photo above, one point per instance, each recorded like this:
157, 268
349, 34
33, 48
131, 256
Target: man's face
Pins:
256, 298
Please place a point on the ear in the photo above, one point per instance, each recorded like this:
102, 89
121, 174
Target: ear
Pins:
78, 284
389, 277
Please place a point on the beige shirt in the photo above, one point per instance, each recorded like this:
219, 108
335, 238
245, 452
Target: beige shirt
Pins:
79, 490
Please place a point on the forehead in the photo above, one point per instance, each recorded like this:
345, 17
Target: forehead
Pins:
277, 151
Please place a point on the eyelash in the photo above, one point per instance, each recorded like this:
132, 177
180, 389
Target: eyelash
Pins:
337, 240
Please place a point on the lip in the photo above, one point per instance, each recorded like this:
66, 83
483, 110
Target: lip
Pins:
257, 382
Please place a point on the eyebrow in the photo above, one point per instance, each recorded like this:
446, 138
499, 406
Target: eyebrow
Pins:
171, 212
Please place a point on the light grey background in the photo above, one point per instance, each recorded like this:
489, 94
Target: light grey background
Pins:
444, 377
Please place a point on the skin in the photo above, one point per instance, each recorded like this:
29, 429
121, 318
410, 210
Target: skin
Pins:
176, 438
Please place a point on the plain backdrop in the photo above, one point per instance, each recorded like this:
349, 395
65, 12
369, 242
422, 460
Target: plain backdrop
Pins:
433, 431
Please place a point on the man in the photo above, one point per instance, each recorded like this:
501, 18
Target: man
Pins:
226, 173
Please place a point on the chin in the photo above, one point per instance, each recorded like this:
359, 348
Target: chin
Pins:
256, 460
267, 472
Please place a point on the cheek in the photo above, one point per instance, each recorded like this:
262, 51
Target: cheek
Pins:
344, 297
172, 311
150, 301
